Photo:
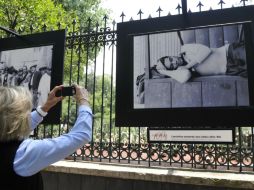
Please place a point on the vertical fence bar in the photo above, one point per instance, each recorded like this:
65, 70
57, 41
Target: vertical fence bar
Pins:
192, 156
215, 156
139, 145
70, 75
149, 154
44, 131
119, 129
240, 148
87, 49
159, 153
227, 156
252, 147
181, 154
129, 144
111, 92
94, 77
79, 58
103, 78
78, 77
203, 155
119, 144
87, 45
170, 154
59, 128
51, 131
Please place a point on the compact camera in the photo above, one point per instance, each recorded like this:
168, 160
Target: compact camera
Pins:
66, 91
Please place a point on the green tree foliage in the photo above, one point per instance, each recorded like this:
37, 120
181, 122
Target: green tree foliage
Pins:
85, 9
16, 14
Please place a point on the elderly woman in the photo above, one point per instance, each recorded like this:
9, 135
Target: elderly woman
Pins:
22, 158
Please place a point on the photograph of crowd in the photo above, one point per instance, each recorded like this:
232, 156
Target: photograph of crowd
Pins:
30, 68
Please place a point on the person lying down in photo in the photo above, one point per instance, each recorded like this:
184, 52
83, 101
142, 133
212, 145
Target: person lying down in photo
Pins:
200, 60
197, 60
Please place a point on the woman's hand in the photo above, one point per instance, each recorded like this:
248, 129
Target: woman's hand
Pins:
81, 95
52, 99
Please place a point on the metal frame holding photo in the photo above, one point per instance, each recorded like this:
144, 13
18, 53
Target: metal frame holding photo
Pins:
186, 70
35, 62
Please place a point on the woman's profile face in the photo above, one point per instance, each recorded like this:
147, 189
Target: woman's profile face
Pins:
172, 62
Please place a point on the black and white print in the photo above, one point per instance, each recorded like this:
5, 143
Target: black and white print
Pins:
30, 68
202, 67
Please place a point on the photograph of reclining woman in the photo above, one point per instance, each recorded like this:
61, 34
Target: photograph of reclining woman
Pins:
202, 67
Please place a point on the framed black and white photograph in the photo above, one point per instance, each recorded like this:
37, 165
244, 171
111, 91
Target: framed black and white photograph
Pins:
187, 68
35, 62
192, 70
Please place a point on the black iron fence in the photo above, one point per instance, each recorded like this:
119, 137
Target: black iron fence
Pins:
90, 61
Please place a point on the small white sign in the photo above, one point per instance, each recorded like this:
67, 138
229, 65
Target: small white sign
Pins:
195, 136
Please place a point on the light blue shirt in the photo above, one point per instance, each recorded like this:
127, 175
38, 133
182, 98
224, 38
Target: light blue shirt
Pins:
34, 155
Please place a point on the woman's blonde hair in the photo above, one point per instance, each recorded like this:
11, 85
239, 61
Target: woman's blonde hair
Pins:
15, 108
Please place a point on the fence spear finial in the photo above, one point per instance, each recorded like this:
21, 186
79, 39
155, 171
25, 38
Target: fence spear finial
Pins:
122, 15
159, 10
243, 2
59, 25
31, 28
221, 3
44, 27
200, 5
140, 13
179, 8
105, 17
20, 30
114, 22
